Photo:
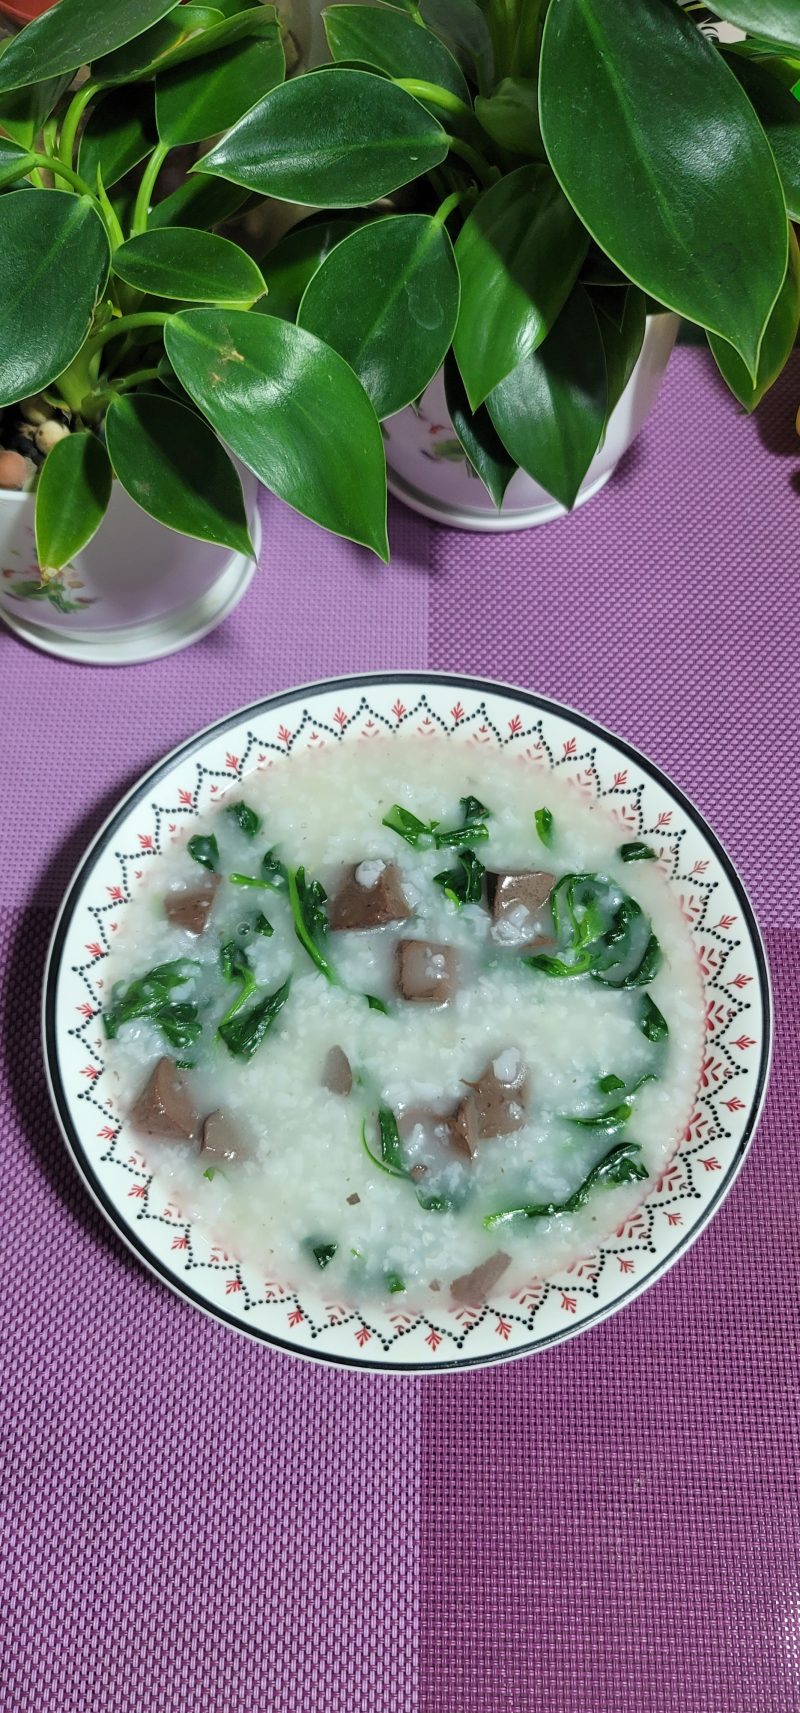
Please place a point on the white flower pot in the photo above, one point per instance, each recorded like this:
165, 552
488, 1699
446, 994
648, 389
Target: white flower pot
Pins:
138, 591
428, 470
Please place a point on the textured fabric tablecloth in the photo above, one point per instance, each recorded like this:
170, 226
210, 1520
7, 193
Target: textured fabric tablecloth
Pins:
195, 1524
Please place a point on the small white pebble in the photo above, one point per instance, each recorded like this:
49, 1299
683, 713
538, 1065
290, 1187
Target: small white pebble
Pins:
34, 409
13, 470
369, 872
49, 435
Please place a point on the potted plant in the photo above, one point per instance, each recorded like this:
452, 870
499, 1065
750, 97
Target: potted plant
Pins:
501, 195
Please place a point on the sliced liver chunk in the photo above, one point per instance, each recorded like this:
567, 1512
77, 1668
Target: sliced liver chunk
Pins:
473, 1288
499, 1095
191, 910
337, 1074
517, 902
164, 1107
370, 895
222, 1142
426, 972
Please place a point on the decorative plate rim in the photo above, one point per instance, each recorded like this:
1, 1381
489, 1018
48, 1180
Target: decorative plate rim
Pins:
184, 751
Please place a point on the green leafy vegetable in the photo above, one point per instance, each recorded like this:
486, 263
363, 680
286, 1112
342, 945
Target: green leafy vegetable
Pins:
463, 885
544, 825
151, 996
417, 833
394, 1283
263, 926
607, 1084
235, 966
307, 899
244, 1033
635, 851
620, 1166
652, 1022
382, 1164
273, 876
203, 848
245, 817
607, 1122
423, 835
376, 1004
323, 1253
598, 933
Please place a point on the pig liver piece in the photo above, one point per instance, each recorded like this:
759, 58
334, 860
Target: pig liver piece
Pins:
164, 1107
473, 1288
529, 888
191, 910
337, 1075
426, 973
499, 1095
221, 1141
370, 896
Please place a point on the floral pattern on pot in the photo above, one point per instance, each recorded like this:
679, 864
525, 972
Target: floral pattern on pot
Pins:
444, 710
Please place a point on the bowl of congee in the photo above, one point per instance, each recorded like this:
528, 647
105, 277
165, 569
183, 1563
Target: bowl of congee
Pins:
407, 1021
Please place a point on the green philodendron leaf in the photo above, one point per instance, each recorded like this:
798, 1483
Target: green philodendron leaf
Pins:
510, 116
200, 97
478, 435
622, 333
461, 25
779, 112
74, 33
172, 464
680, 189
518, 255
54, 257
200, 202
72, 496
143, 55
15, 161
777, 344
392, 42
119, 132
775, 21
23, 111
551, 410
341, 141
292, 410
295, 260
395, 328
190, 266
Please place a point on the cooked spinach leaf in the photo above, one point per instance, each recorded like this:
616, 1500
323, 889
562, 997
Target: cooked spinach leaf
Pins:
151, 996
235, 966
323, 1253
635, 851
394, 1283
620, 1166
652, 1022
598, 933
544, 825
607, 1084
245, 817
376, 1004
607, 1122
462, 885
273, 876
258, 925
203, 848
244, 1032
393, 1171
307, 899
424, 835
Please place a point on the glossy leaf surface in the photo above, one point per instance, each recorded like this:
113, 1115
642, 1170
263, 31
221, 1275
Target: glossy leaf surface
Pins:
777, 345
54, 257
172, 464
72, 34
72, 495
660, 152
200, 97
518, 256
292, 410
194, 267
339, 140
551, 410
395, 330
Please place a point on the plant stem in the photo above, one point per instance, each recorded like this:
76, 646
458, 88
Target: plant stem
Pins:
485, 173
141, 207
59, 170
450, 202
135, 379
72, 119
443, 98
123, 324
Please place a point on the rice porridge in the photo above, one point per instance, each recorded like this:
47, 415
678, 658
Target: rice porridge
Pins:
404, 1020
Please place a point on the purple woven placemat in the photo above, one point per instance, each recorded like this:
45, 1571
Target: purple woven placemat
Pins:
199, 1525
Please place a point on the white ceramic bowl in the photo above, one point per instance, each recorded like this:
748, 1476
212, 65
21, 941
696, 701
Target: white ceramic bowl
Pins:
449, 710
